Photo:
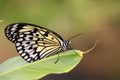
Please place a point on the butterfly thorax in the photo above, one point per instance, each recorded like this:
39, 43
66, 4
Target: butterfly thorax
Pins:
65, 45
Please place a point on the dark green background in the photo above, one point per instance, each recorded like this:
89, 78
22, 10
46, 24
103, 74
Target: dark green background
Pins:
96, 19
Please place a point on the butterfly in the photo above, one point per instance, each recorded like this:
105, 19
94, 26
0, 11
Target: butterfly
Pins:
34, 42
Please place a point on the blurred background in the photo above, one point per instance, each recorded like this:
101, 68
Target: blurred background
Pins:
96, 19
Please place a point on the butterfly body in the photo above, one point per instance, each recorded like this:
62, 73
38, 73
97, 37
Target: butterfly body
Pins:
34, 42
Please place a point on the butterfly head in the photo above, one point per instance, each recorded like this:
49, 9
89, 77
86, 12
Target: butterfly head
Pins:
66, 43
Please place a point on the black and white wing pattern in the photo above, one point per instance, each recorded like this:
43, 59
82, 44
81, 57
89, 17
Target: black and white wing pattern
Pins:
33, 42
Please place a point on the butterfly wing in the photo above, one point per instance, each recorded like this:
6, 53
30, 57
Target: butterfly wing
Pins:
33, 42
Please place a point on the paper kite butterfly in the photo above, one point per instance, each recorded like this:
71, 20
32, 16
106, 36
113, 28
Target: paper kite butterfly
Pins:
34, 42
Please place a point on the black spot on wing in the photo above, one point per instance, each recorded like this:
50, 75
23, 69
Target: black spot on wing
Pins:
46, 33
35, 30
31, 38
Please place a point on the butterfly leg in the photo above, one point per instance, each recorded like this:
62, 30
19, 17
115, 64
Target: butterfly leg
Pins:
57, 58
73, 50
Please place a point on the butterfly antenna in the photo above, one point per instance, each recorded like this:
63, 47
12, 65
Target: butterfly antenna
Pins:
91, 48
75, 36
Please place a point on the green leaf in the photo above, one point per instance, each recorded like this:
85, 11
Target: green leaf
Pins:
17, 69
